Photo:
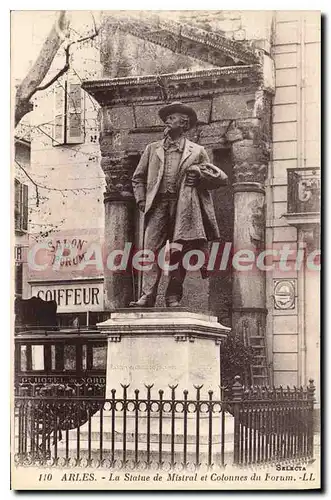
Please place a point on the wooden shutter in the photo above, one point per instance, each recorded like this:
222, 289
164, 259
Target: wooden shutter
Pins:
75, 114
21, 206
18, 202
25, 207
59, 118
18, 278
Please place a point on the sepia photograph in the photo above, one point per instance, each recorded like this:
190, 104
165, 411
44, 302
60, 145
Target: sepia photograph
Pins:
165, 178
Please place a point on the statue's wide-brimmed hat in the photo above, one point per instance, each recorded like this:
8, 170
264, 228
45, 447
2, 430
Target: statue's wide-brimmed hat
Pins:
179, 107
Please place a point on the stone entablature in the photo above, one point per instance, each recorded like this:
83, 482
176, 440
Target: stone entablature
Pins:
229, 102
201, 83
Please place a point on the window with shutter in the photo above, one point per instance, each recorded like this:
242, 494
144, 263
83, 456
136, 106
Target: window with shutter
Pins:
21, 206
75, 111
59, 115
25, 207
18, 278
17, 205
68, 114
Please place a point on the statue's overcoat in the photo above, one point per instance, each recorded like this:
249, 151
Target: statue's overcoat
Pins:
195, 214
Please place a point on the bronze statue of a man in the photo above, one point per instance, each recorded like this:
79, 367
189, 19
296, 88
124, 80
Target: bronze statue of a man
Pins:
172, 185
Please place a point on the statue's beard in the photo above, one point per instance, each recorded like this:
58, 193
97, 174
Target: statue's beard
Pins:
170, 132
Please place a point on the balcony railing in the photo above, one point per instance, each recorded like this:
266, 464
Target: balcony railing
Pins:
304, 188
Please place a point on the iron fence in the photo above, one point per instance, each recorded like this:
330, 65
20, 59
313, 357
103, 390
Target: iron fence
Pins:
272, 424
79, 427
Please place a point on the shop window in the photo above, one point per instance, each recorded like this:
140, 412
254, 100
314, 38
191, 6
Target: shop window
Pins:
70, 357
69, 114
84, 357
99, 357
56, 357
23, 358
37, 357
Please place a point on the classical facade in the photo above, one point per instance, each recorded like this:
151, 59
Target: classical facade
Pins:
255, 92
250, 79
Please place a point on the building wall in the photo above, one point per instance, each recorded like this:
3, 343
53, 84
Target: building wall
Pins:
71, 197
71, 172
293, 333
22, 164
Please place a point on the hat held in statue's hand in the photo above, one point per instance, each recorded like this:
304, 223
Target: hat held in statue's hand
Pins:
179, 107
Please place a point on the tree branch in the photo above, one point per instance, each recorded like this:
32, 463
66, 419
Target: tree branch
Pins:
63, 190
31, 83
41, 66
33, 182
66, 64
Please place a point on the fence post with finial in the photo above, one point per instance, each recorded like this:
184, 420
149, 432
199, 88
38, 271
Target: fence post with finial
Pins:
113, 411
173, 409
237, 397
311, 398
148, 415
125, 396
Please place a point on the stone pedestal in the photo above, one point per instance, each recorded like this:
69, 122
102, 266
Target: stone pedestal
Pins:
157, 359
163, 347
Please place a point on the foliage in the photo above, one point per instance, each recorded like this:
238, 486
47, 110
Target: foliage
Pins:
236, 359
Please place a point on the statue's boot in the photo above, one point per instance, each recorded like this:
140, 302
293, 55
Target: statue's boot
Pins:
144, 301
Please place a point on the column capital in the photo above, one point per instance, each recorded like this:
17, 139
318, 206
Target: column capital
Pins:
118, 171
250, 158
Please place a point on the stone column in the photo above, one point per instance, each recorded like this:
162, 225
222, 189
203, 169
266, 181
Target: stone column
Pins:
250, 167
119, 206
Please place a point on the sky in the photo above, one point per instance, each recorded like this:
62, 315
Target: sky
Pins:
28, 31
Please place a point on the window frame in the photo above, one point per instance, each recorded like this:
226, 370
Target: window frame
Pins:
21, 205
64, 109
59, 364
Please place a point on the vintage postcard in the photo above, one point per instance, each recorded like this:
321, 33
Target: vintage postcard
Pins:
166, 232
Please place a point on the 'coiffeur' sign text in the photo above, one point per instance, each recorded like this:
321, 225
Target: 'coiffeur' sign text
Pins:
72, 297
